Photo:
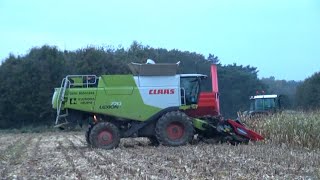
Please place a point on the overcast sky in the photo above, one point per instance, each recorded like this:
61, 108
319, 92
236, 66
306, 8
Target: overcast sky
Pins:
279, 37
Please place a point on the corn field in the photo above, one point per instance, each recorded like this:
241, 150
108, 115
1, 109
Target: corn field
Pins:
65, 155
295, 129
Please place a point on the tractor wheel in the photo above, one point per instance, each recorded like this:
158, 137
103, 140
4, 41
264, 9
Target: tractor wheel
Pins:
104, 135
87, 135
174, 129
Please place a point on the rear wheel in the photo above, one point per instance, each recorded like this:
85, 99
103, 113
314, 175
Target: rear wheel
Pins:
104, 135
174, 129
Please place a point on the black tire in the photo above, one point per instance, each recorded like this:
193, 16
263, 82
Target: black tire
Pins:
104, 135
174, 129
87, 134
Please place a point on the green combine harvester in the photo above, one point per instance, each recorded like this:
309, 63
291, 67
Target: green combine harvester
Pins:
154, 102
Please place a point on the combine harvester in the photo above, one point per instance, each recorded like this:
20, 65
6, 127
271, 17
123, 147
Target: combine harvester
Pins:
153, 102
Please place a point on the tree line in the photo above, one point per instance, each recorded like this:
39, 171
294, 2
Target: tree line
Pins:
28, 81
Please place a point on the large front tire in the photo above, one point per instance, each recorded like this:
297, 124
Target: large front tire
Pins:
87, 134
104, 135
174, 129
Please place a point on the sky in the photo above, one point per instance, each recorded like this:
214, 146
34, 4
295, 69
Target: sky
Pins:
279, 37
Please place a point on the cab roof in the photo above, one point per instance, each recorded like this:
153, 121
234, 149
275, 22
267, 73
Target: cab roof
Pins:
264, 96
194, 75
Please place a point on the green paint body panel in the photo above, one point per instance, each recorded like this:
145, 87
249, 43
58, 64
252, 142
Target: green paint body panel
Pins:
115, 95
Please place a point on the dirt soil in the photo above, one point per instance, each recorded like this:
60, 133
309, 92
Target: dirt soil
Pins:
67, 156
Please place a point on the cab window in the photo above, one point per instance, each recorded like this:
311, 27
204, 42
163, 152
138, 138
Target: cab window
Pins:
190, 87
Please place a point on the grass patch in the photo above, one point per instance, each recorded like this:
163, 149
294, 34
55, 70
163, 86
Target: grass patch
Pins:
300, 129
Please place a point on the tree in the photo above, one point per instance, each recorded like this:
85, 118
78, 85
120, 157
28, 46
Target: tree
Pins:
282, 87
308, 93
236, 84
28, 84
213, 59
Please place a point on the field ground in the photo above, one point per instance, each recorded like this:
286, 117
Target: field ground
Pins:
66, 156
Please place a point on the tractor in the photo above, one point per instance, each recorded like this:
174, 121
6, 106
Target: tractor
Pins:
154, 102
264, 104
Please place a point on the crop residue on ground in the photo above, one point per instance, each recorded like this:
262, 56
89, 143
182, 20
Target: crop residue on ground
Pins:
66, 156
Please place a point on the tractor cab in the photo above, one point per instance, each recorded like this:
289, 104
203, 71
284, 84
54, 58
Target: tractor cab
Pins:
262, 104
